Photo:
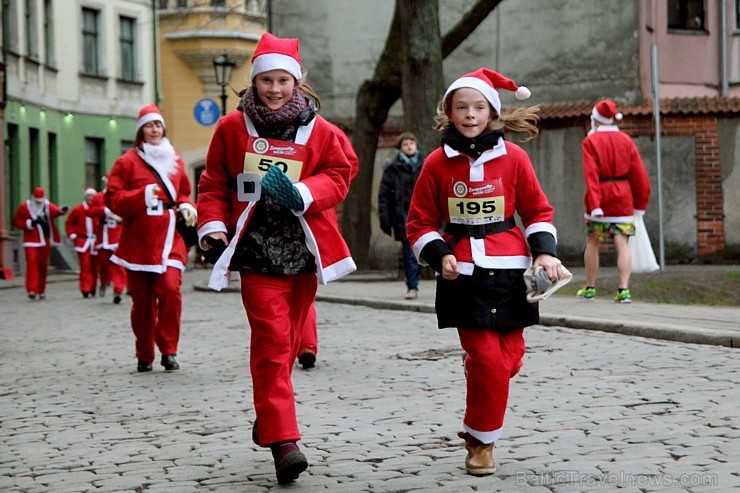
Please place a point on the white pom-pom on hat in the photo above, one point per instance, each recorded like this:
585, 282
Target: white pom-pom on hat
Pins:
522, 93
605, 112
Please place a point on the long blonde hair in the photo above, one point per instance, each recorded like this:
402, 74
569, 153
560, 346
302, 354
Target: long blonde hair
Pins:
519, 120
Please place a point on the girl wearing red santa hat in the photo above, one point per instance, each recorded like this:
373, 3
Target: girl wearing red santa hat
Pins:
35, 217
81, 230
147, 188
472, 186
274, 172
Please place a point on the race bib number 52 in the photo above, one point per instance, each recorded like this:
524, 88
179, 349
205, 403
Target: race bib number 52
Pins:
263, 153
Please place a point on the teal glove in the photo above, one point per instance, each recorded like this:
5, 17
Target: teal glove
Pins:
277, 184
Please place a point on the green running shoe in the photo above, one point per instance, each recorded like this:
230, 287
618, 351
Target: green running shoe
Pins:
586, 292
623, 296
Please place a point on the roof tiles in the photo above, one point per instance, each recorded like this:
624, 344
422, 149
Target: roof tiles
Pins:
668, 106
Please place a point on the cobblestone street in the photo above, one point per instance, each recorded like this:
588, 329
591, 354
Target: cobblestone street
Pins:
590, 411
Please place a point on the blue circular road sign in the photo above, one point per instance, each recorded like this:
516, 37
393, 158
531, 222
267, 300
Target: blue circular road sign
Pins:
206, 112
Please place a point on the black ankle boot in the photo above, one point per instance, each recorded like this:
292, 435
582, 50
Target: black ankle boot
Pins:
289, 462
169, 363
143, 366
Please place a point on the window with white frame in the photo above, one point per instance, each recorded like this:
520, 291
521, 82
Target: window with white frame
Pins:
218, 3
90, 42
10, 25
686, 15
49, 47
32, 32
128, 48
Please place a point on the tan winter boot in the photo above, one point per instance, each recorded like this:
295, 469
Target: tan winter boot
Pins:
479, 461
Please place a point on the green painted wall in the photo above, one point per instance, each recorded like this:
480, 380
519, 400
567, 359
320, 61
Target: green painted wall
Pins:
47, 148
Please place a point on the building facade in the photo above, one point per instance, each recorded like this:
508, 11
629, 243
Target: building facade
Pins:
77, 73
571, 54
192, 34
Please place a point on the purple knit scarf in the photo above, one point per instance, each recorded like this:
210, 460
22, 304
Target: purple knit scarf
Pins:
262, 116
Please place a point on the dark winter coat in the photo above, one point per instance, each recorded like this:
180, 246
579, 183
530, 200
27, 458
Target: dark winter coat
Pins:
394, 195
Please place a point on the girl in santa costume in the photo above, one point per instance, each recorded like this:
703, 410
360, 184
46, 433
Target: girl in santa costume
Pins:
35, 217
148, 188
617, 189
108, 232
461, 222
274, 173
81, 230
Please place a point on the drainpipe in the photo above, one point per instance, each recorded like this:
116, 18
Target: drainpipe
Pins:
723, 78
269, 16
155, 45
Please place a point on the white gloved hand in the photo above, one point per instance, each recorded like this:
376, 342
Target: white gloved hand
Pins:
189, 215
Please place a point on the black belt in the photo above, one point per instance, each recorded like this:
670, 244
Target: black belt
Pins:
478, 231
616, 178
167, 205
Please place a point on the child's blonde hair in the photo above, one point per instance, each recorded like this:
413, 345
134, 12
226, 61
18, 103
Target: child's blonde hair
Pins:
520, 120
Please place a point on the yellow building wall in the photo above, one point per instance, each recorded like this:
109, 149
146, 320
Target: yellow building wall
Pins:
189, 42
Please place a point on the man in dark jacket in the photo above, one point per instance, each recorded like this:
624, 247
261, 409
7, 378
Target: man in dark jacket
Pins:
394, 198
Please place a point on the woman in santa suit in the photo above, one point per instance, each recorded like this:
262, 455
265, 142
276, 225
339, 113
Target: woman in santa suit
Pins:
82, 231
35, 217
107, 232
147, 187
274, 173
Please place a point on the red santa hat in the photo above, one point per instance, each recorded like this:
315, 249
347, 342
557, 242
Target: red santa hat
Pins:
606, 112
486, 81
38, 193
275, 53
89, 191
149, 113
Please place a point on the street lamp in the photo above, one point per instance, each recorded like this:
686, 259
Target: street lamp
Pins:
223, 65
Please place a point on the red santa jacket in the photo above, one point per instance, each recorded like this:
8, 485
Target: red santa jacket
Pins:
148, 241
503, 174
323, 183
107, 228
616, 180
33, 235
81, 228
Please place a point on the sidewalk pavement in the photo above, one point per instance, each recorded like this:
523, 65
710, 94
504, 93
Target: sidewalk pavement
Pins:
700, 324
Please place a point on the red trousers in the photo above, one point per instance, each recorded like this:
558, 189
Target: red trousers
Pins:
493, 358
37, 266
110, 272
156, 310
310, 339
88, 271
276, 308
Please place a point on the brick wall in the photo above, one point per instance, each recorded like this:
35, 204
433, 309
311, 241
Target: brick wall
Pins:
709, 200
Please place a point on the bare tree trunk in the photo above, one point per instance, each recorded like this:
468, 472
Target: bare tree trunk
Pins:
374, 100
421, 70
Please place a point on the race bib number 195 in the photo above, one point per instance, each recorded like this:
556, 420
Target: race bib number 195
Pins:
476, 202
